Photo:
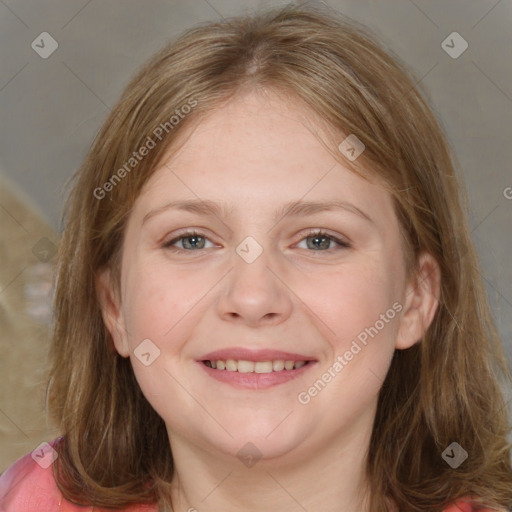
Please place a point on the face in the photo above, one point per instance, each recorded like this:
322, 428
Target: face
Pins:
252, 283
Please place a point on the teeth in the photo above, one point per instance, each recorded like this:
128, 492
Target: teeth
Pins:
262, 367
277, 366
243, 366
231, 365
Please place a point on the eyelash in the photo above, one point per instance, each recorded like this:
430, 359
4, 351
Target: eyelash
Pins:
315, 233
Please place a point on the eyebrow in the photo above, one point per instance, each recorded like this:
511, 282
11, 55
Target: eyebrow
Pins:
294, 208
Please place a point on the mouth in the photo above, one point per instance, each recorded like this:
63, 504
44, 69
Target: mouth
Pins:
243, 366
256, 370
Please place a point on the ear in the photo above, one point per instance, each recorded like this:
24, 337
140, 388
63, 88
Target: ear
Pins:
110, 305
420, 303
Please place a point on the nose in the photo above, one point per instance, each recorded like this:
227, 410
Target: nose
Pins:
255, 293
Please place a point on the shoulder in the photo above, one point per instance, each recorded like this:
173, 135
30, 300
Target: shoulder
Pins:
29, 486
465, 505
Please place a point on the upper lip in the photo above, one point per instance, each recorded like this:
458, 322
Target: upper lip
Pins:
240, 353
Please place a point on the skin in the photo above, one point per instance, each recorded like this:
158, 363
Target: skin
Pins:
256, 154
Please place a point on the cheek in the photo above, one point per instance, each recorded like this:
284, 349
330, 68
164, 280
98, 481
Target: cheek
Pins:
157, 299
164, 307
359, 305
351, 300
360, 309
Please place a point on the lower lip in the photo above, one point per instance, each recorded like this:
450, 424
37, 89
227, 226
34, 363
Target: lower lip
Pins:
256, 380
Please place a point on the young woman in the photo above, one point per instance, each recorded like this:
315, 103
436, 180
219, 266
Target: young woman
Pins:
267, 294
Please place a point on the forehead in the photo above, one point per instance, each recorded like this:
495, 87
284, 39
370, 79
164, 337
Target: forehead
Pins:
253, 125
255, 150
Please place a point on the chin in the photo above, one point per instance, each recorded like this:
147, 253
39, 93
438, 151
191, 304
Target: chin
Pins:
261, 443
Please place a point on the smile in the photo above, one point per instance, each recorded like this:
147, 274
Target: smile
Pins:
242, 366
255, 375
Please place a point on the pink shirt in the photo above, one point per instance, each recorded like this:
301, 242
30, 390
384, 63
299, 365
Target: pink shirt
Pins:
28, 487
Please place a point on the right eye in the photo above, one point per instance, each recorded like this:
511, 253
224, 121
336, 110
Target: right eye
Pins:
191, 240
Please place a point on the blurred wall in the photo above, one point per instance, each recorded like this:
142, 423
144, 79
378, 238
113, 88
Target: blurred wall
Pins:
27, 249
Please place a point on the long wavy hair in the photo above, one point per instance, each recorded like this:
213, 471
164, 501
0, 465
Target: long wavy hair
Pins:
115, 450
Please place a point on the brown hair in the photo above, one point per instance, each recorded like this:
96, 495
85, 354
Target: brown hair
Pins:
115, 449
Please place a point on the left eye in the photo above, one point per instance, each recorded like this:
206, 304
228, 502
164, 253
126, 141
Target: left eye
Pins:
194, 240
322, 240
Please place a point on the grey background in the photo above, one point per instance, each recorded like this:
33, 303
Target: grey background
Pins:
51, 108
